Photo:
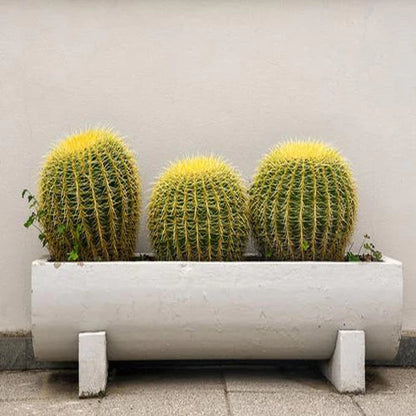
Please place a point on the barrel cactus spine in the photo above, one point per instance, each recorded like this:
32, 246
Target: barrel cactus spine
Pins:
198, 211
89, 197
303, 203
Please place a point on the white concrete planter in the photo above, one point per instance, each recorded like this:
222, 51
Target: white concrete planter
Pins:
152, 310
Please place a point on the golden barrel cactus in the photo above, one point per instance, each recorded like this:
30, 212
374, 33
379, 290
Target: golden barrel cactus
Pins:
89, 197
303, 203
198, 211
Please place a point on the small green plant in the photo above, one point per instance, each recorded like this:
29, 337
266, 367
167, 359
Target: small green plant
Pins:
34, 220
35, 215
73, 255
366, 252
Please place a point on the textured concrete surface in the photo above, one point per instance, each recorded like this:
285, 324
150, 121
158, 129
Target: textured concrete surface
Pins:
286, 389
93, 364
401, 405
269, 309
346, 368
288, 404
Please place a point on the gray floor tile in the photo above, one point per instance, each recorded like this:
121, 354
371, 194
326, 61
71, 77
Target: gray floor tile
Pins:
166, 403
49, 408
251, 391
139, 380
384, 380
291, 404
22, 385
388, 404
268, 379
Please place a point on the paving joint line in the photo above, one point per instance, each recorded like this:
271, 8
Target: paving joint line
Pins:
227, 398
357, 405
290, 391
42, 399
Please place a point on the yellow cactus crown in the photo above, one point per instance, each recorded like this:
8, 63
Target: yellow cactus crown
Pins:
306, 150
79, 142
196, 166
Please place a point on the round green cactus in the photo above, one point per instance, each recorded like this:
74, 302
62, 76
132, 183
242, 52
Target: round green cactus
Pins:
303, 203
89, 198
198, 211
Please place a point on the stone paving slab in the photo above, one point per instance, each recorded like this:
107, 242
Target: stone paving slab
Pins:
135, 381
167, 403
390, 380
306, 379
50, 408
291, 404
387, 404
40, 384
221, 390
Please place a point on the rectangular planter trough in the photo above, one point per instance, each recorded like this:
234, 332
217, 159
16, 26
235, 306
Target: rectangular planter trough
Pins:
337, 312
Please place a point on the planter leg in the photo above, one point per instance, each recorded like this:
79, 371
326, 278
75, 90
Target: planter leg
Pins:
346, 368
93, 365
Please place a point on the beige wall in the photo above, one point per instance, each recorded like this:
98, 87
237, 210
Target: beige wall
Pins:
229, 77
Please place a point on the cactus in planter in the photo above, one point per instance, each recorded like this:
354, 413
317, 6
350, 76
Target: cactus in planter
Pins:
303, 203
198, 211
89, 198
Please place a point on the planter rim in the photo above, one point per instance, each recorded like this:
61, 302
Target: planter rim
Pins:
386, 260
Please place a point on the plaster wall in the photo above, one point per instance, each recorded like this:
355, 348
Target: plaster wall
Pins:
228, 77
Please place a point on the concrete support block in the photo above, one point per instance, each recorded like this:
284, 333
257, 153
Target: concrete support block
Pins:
93, 365
346, 368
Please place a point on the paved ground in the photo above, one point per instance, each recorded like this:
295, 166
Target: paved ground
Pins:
295, 389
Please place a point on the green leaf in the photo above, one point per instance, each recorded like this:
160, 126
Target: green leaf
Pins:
24, 192
73, 256
42, 238
78, 231
61, 229
378, 256
32, 201
352, 257
305, 245
29, 221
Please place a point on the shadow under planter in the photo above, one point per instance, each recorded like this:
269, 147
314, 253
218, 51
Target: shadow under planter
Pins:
336, 312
